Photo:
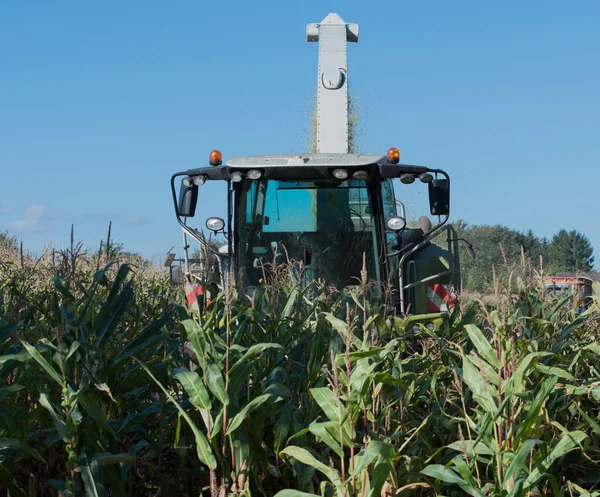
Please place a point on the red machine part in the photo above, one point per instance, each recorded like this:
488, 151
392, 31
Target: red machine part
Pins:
439, 299
192, 292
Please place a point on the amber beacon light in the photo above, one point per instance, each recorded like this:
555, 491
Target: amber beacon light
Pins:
215, 158
393, 156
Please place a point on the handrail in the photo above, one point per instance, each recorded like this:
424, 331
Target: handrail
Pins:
194, 233
454, 266
411, 270
429, 278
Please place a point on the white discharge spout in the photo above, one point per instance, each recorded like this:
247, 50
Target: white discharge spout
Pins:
332, 33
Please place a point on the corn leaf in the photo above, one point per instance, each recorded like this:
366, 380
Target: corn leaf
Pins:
289, 304
319, 430
555, 371
328, 402
43, 363
252, 406
144, 339
305, 457
195, 335
293, 493
112, 312
374, 451
20, 357
10, 484
202, 446
482, 391
591, 421
482, 344
282, 427
238, 378
381, 471
255, 350
89, 479
106, 458
518, 461
95, 412
442, 473
6, 330
568, 442
215, 383
192, 384
19, 446
481, 449
6, 391
534, 409
59, 424
517, 380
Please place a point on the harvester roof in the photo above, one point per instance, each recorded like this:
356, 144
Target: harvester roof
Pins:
309, 160
308, 166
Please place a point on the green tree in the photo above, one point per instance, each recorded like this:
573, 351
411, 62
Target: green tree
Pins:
495, 247
535, 247
571, 251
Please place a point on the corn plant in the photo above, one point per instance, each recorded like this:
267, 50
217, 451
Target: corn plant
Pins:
509, 393
111, 387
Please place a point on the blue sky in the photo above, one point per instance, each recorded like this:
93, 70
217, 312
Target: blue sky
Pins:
100, 102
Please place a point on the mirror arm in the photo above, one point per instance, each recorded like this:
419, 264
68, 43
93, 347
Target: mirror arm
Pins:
402, 209
174, 193
232, 256
443, 173
195, 234
190, 231
440, 224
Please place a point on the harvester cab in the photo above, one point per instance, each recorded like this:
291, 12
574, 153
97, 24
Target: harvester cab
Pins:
332, 211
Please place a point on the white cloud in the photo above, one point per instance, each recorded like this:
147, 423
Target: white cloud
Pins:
101, 217
42, 211
135, 218
35, 219
6, 209
35, 211
27, 226
107, 216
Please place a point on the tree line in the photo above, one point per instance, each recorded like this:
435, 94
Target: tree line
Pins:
500, 247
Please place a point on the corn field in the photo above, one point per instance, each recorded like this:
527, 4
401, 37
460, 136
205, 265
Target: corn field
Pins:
111, 387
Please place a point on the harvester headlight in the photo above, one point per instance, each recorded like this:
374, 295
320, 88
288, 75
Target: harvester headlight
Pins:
200, 180
236, 177
187, 181
425, 177
396, 223
407, 179
340, 174
360, 175
215, 223
393, 156
254, 174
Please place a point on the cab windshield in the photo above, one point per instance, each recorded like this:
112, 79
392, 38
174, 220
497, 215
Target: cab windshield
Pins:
326, 225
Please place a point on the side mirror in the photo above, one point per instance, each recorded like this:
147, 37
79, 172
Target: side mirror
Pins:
468, 247
188, 198
169, 259
439, 197
175, 274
